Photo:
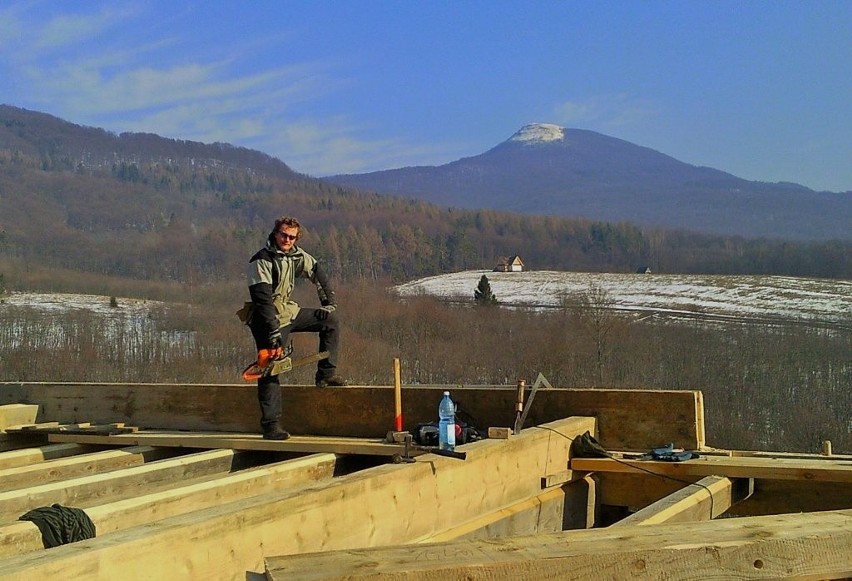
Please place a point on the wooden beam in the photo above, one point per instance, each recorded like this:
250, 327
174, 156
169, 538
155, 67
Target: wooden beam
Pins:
812, 546
24, 537
640, 489
628, 419
570, 506
705, 500
215, 440
88, 491
377, 506
539, 514
777, 496
17, 413
637, 490
10, 442
27, 456
82, 465
826, 470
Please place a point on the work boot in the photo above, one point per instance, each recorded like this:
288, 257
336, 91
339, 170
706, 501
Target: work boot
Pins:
333, 381
275, 432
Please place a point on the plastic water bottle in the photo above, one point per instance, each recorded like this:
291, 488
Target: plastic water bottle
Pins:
446, 423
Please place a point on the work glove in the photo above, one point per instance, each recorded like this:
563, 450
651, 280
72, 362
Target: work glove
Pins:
264, 356
274, 351
323, 312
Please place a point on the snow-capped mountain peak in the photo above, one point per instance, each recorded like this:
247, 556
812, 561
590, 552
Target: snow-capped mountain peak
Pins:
538, 133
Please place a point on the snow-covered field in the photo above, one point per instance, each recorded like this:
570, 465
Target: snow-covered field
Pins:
67, 302
760, 297
130, 318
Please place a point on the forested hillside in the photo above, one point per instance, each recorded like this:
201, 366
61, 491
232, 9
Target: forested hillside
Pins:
145, 207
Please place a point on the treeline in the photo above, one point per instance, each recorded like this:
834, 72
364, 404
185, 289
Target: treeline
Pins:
181, 223
769, 387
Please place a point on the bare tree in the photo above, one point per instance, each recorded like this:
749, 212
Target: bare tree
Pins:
598, 320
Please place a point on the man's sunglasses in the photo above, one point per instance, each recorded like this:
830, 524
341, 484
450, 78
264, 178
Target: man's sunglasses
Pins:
286, 236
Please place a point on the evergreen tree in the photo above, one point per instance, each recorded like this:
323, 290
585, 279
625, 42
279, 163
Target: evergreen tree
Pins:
483, 295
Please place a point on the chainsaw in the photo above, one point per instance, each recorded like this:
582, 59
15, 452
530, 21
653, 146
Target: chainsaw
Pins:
281, 364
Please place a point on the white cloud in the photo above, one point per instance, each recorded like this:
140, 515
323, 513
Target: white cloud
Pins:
606, 111
98, 69
65, 30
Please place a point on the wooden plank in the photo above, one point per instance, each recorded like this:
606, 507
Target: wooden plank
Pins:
88, 491
216, 440
804, 546
628, 419
705, 500
377, 506
78, 428
27, 456
82, 465
24, 537
732, 467
774, 454
10, 442
499, 433
30, 427
17, 413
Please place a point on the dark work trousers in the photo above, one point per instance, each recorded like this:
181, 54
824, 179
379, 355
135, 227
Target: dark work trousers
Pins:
269, 388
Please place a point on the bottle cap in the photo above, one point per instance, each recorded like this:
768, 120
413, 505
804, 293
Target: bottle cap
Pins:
446, 393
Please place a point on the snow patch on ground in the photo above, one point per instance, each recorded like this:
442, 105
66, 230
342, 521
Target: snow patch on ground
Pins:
65, 302
721, 295
538, 133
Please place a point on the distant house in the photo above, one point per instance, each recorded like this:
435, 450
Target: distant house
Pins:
643, 270
509, 264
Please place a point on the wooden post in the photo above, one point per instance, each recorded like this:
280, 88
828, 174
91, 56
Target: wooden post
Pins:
397, 394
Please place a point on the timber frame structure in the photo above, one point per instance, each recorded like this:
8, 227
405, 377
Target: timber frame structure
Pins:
180, 486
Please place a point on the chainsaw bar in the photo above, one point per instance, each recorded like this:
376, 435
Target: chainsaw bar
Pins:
278, 366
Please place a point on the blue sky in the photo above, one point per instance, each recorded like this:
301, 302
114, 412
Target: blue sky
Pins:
761, 89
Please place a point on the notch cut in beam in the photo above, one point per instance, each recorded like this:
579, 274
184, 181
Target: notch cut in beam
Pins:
705, 500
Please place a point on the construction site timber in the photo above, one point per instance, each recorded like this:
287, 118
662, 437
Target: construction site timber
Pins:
179, 484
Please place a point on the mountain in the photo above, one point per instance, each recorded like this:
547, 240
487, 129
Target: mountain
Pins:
551, 170
63, 145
